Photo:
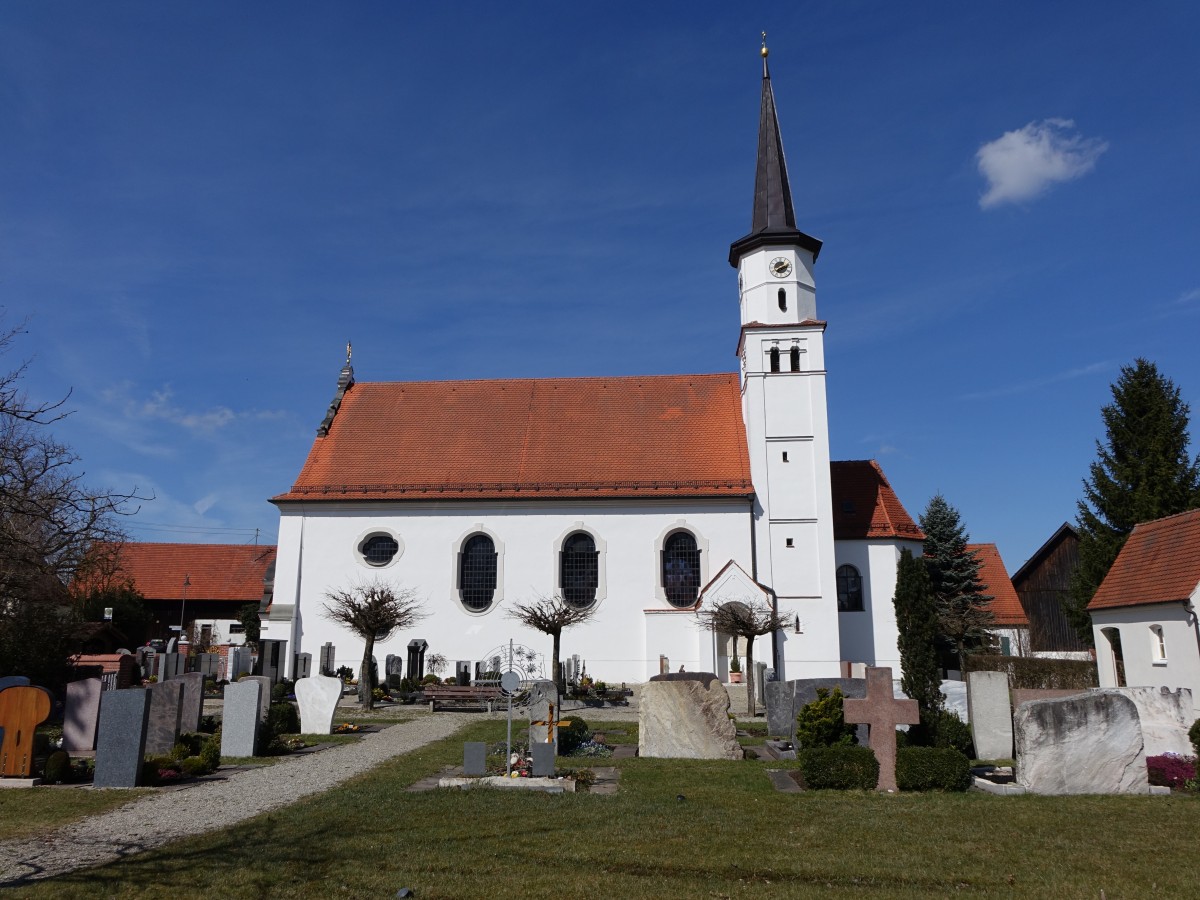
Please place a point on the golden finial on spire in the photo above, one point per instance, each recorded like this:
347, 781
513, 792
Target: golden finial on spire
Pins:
764, 50
349, 352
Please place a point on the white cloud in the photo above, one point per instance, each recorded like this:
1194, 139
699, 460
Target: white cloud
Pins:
1037, 383
160, 405
204, 504
1019, 165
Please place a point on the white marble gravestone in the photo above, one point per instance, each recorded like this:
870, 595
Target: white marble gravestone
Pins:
991, 714
318, 697
240, 720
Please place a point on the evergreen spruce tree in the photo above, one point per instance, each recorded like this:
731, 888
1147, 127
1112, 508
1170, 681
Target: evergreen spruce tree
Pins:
963, 609
917, 624
1142, 471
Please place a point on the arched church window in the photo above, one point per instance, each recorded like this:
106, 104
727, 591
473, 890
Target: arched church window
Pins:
681, 569
579, 569
774, 359
783, 300
795, 359
849, 589
477, 572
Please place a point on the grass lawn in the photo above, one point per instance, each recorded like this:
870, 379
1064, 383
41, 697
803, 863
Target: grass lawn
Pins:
28, 812
730, 836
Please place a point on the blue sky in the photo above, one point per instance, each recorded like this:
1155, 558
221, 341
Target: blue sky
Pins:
200, 204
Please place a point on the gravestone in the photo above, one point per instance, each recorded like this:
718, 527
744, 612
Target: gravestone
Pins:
462, 673
954, 699
208, 664
81, 715
543, 760
393, 668
318, 697
474, 758
785, 699
192, 704
416, 659
686, 716
544, 711
23, 708
1087, 744
169, 665
991, 714
303, 666
264, 701
121, 738
326, 659
166, 712
13, 681
1165, 717
241, 717
881, 712
239, 661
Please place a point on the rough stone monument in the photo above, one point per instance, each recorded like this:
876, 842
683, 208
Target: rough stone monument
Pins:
991, 714
686, 716
1087, 744
318, 697
1165, 716
240, 720
543, 713
166, 711
81, 715
881, 712
121, 738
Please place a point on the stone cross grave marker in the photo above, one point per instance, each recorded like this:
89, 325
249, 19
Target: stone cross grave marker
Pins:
881, 712
543, 721
22, 709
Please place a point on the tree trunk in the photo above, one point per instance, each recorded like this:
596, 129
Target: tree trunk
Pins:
366, 694
555, 670
750, 705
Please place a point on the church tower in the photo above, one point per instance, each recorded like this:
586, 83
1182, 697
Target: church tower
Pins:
784, 408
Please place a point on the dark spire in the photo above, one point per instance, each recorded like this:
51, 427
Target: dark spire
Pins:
774, 220
345, 382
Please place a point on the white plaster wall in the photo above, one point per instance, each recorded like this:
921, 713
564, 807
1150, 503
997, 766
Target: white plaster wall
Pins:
871, 636
760, 289
317, 552
1181, 669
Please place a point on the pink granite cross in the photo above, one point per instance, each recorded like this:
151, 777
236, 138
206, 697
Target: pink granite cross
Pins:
881, 712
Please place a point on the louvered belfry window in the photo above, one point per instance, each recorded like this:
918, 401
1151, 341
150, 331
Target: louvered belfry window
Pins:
579, 569
681, 569
477, 572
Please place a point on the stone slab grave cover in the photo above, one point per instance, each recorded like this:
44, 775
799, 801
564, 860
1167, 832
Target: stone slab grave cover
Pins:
991, 714
474, 758
1165, 716
23, 708
318, 697
166, 709
543, 760
121, 738
81, 715
686, 716
1087, 744
785, 699
881, 712
544, 712
240, 717
192, 704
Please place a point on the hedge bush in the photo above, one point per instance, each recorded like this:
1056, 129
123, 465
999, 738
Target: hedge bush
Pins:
571, 735
58, 768
932, 769
1030, 673
844, 768
282, 718
822, 722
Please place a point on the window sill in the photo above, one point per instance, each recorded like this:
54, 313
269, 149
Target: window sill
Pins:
1158, 662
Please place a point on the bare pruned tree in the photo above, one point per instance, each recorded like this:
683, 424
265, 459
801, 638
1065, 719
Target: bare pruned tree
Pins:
747, 618
550, 615
373, 610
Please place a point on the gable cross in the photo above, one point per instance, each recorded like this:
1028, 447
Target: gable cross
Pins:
881, 712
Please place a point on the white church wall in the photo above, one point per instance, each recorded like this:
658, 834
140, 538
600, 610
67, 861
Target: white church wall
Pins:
871, 636
318, 552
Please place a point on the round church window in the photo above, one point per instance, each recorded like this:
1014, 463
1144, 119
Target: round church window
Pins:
379, 549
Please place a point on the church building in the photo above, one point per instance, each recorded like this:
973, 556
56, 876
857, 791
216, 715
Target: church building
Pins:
642, 496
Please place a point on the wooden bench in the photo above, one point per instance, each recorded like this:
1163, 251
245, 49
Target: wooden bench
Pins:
458, 695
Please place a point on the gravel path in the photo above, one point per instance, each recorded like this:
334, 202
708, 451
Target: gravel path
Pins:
167, 816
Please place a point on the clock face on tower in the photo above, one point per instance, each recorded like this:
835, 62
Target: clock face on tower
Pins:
781, 267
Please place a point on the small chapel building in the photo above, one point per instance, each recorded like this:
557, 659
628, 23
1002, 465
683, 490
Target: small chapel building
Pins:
642, 496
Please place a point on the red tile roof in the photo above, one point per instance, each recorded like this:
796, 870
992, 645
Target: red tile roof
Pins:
216, 571
1006, 605
1160, 563
654, 436
865, 506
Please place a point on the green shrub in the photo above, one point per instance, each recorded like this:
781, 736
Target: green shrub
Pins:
1194, 737
431, 679
58, 768
823, 724
952, 732
839, 768
1027, 672
571, 735
282, 718
932, 769
282, 690
194, 767
345, 673
211, 752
